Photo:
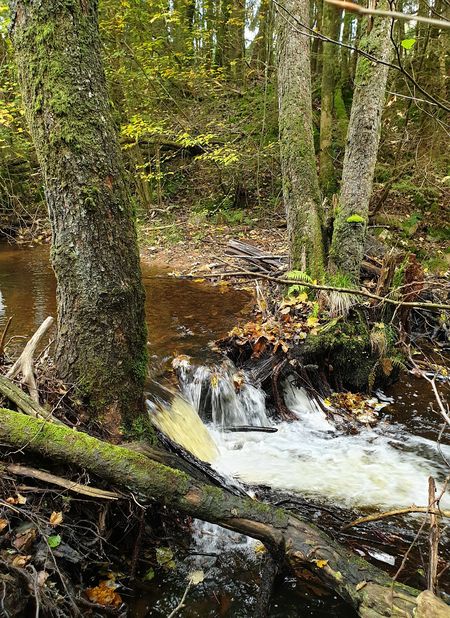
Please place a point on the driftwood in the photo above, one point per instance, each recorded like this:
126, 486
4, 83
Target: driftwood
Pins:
24, 364
368, 589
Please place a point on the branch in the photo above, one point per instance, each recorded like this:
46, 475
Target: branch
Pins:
24, 364
46, 477
356, 8
329, 288
394, 513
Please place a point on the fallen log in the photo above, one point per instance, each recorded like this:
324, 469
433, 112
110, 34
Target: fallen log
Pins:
368, 589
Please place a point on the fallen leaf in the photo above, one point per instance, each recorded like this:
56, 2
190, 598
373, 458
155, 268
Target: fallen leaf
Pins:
196, 577
361, 585
42, 577
105, 594
3, 524
24, 540
20, 561
56, 518
321, 563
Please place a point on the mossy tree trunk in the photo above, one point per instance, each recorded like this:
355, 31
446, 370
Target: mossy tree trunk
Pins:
349, 232
330, 28
368, 589
101, 340
301, 192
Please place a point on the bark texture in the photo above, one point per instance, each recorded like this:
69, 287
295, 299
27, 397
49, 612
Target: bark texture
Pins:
300, 182
349, 233
101, 342
330, 28
365, 587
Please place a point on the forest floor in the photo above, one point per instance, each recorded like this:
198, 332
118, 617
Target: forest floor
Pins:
188, 248
189, 245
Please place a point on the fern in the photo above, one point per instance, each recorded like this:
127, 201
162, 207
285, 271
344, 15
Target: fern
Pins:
297, 275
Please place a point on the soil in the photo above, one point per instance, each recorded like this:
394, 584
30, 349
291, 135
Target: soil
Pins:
199, 249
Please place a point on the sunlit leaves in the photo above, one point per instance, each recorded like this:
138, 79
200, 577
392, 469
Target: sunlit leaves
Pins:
408, 43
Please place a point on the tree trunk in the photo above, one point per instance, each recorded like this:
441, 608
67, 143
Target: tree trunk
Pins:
101, 341
368, 589
300, 182
349, 232
331, 28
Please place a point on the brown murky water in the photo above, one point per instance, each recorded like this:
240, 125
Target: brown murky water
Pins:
182, 316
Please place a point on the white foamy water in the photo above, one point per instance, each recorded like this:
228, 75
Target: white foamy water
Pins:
383, 467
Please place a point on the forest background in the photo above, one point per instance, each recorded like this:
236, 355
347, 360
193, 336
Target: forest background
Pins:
193, 85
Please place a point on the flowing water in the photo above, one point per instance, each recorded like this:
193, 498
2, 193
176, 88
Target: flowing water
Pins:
380, 468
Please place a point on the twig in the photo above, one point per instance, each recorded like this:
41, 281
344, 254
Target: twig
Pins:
434, 538
315, 286
46, 477
180, 605
2, 340
356, 8
394, 513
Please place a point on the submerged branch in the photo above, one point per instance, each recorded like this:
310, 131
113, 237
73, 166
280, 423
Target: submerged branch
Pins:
394, 513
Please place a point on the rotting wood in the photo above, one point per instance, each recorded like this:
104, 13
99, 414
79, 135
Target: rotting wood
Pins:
24, 364
368, 589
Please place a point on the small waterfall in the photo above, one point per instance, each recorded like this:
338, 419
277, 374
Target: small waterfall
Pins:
223, 394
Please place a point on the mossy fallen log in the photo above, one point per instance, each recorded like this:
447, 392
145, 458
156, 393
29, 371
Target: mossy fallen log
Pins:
368, 589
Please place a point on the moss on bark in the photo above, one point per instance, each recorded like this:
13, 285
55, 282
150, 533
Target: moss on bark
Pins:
101, 342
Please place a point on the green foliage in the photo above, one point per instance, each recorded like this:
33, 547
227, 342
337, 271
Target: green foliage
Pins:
355, 219
408, 43
54, 541
297, 289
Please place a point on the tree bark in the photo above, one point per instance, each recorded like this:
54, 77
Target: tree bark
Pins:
368, 589
300, 182
349, 232
101, 341
331, 28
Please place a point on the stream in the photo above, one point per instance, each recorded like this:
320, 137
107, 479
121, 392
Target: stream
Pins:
376, 469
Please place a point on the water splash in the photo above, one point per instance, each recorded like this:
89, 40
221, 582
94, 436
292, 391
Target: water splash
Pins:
383, 467
223, 395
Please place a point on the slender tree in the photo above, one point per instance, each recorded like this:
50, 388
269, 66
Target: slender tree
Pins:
331, 27
349, 232
101, 340
300, 182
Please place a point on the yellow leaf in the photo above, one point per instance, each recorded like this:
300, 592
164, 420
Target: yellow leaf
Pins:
3, 524
56, 518
259, 548
321, 563
312, 321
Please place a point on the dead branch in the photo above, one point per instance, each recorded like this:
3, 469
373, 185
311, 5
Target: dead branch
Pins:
434, 538
394, 513
24, 364
46, 477
329, 288
23, 401
357, 8
3, 338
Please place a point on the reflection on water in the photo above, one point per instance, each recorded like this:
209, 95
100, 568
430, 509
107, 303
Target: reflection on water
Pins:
182, 316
